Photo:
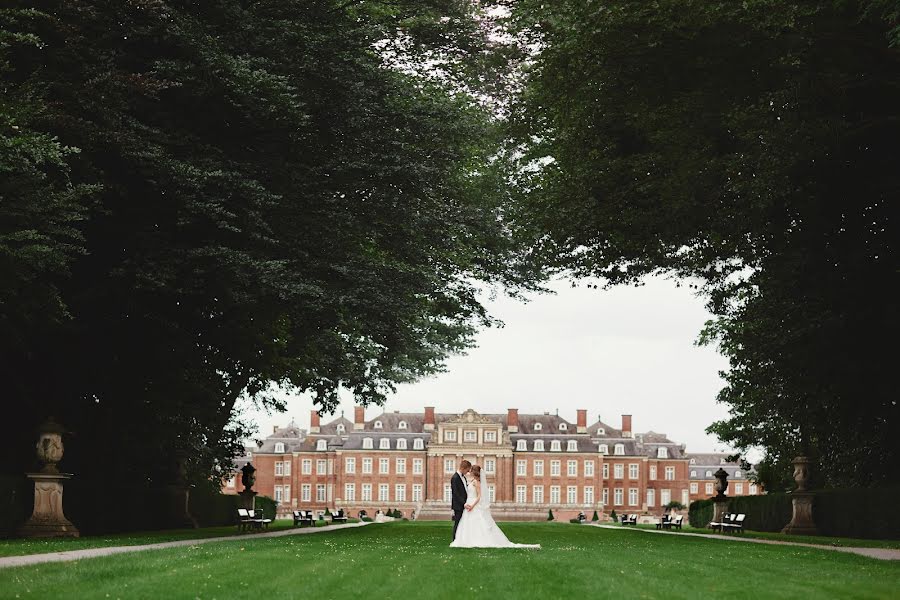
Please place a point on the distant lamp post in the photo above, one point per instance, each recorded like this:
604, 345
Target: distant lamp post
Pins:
47, 518
802, 522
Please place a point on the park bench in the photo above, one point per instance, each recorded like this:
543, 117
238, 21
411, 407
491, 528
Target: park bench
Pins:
676, 522
259, 518
736, 523
302, 516
249, 519
339, 517
664, 522
629, 519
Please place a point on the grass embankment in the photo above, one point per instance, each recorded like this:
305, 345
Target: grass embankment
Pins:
413, 560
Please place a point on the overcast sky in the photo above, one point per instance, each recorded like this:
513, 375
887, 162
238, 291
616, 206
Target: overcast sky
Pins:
625, 350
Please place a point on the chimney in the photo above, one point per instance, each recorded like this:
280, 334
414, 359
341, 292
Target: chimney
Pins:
626, 426
359, 417
512, 420
429, 419
314, 421
582, 421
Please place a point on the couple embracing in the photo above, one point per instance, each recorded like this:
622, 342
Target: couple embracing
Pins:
473, 525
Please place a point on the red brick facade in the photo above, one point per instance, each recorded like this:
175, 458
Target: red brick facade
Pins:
532, 464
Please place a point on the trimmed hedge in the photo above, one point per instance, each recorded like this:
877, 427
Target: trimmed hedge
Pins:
858, 513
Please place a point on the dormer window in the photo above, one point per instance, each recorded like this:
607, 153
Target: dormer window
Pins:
539, 445
709, 473
279, 448
693, 461
571, 446
402, 425
378, 425
538, 426
401, 444
340, 428
693, 474
321, 445
662, 453
620, 449
604, 449
563, 427
721, 461
555, 446
601, 431
384, 444
418, 444
521, 446
367, 443
737, 474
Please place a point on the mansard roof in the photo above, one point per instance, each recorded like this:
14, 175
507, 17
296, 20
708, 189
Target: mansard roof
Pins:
355, 440
330, 428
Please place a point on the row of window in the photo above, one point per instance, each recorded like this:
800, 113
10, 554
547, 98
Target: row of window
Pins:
736, 475
385, 444
470, 435
490, 465
489, 436
383, 492
738, 488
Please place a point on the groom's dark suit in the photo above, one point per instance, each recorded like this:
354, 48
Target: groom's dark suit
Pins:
458, 501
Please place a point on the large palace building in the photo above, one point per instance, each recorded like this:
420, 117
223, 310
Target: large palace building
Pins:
532, 463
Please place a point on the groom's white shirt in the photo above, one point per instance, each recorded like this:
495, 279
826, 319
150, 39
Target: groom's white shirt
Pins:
463, 477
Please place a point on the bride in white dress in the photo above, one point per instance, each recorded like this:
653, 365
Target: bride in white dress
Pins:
477, 528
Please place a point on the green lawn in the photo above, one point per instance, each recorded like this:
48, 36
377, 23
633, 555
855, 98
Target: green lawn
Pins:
18, 547
413, 560
820, 540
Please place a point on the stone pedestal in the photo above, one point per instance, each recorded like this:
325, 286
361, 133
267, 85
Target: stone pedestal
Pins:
720, 507
802, 518
247, 499
48, 519
179, 514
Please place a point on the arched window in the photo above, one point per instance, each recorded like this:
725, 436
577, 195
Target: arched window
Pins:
418, 444
555, 446
721, 461
693, 462
521, 446
620, 449
538, 426
539, 445
604, 449
367, 443
377, 424
321, 445
279, 448
563, 427
384, 444
662, 453
601, 431
572, 446
340, 428
693, 473
402, 425
709, 473
401, 444
737, 474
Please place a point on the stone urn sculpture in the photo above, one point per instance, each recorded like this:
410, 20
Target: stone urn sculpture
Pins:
248, 479
802, 522
47, 518
720, 500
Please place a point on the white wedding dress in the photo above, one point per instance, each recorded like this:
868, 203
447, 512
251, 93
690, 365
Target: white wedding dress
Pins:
477, 528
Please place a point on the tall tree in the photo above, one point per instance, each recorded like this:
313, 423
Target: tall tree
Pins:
212, 198
751, 145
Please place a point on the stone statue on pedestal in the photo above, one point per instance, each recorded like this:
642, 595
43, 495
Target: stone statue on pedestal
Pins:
47, 518
720, 500
802, 522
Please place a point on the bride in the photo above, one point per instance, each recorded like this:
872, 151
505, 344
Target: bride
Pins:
477, 528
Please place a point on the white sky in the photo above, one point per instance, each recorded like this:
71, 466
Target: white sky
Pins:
623, 350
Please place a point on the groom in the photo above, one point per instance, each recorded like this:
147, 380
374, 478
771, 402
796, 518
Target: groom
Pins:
458, 489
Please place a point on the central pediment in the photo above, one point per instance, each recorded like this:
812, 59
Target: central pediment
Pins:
470, 416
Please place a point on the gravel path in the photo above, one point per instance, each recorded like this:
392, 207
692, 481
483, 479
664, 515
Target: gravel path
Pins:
880, 553
34, 559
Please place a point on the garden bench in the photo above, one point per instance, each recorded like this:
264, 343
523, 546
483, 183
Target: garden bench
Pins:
664, 522
736, 523
247, 519
676, 522
259, 518
302, 516
339, 517
629, 519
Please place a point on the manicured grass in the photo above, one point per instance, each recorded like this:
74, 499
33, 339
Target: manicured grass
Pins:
18, 547
413, 560
800, 539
